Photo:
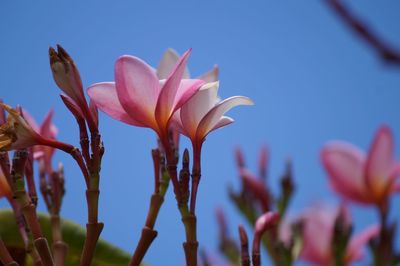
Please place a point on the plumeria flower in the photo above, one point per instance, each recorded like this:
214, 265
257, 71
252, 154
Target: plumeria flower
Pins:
47, 130
138, 98
17, 133
204, 113
363, 178
167, 63
200, 115
318, 229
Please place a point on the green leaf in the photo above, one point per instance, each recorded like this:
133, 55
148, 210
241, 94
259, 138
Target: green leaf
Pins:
73, 234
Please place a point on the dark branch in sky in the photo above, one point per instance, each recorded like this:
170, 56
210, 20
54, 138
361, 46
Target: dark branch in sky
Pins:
387, 53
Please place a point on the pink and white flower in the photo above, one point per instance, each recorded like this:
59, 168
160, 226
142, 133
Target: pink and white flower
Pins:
139, 98
363, 178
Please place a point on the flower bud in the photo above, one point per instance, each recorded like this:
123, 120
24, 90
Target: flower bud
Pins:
66, 75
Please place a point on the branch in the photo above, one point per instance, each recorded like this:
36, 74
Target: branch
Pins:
387, 53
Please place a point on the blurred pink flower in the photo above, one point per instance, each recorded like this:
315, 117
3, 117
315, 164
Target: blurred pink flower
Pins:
367, 179
47, 130
318, 228
17, 133
138, 97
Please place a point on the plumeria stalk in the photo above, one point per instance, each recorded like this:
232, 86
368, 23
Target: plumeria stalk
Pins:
67, 77
139, 98
166, 66
5, 257
51, 182
28, 208
199, 116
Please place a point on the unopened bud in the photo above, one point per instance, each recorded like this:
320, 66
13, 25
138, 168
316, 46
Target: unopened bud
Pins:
66, 75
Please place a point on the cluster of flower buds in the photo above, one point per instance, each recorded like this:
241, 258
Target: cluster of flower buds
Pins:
321, 234
256, 202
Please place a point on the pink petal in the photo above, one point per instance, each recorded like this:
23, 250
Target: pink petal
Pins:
176, 121
344, 164
355, 247
187, 89
104, 95
167, 64
211, 75
31, 121
47, 129
215, 114
166, 100
380, 160
319, 221
197, 107
137, 88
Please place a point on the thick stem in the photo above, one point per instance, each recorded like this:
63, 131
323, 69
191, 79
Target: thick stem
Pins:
160, 187
155, 205
383, 252
196, 174
171, 167
146, 238
44, 251
5, 256
93, 232
191, 245
93, 227
60, 248
28, 208
148, 233
19, 219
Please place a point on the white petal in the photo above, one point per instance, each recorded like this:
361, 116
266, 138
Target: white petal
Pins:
167, 64
214, 115
197, 107
211, 75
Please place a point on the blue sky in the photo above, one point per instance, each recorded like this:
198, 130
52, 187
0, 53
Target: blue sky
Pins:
312, 81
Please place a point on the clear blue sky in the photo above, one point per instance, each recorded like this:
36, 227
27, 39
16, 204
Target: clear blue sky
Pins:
311, 79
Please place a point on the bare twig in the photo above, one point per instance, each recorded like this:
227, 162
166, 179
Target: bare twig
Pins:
387, 53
